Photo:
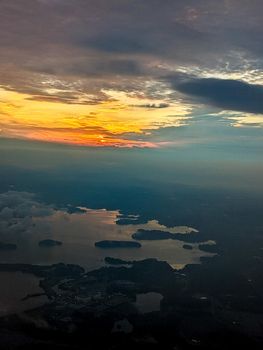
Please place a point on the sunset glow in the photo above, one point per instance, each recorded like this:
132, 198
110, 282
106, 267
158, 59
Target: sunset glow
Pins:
102, 124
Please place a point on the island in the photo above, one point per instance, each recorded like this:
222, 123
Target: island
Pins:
156, 235
7, 246
49, 243
187, 246
117, 244
116, 261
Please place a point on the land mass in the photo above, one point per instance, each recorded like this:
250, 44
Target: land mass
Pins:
49, 243
117, 244
203, 306
115, 261
154, 235
187, 247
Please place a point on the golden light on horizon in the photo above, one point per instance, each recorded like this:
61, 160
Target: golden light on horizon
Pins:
105, 124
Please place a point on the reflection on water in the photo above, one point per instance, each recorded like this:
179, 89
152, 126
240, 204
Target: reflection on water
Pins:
14, 287
80, 230
148, 302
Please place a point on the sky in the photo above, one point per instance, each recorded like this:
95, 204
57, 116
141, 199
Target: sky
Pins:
132, 73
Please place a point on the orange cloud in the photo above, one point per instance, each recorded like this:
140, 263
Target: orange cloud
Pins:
105, 124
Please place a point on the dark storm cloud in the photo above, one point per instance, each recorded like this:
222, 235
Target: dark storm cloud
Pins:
226, 94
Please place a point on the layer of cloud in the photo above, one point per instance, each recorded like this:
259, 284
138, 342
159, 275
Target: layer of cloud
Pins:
226, 94
75, 52
18, 211
101, 42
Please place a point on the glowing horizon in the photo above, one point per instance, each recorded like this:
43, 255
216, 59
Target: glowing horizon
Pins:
102, 124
